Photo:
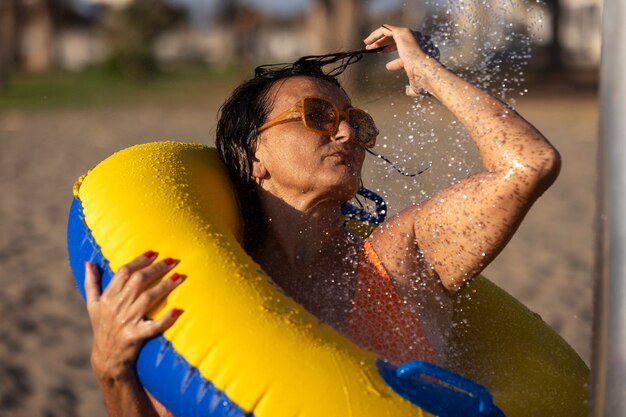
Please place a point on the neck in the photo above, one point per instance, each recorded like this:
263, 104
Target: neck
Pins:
300, 233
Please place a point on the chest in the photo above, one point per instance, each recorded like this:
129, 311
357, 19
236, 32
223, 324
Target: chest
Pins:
325, 289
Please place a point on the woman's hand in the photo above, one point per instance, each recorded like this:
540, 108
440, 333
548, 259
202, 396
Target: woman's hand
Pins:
421, 68
118, 314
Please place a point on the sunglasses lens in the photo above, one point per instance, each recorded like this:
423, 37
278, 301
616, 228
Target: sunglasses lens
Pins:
319, 115
364, 127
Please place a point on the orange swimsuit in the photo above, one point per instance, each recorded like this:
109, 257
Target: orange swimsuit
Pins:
380, 320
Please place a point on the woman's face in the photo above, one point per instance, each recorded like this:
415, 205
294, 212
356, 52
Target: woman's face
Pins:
292, 161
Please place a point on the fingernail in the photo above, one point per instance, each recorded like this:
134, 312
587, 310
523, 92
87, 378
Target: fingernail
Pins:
176, 277
176, 312
87, 265
149, 254
169, 261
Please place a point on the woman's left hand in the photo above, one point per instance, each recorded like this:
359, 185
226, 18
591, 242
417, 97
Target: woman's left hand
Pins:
421, 68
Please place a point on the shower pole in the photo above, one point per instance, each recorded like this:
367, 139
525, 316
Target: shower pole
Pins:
608, 387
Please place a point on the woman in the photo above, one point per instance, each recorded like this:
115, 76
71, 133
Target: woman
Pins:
295, 147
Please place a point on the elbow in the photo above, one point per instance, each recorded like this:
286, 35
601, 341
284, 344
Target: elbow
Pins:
549, 168
532, 174
537, 171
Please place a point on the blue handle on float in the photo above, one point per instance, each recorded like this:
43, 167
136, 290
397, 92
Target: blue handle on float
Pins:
443, 394
364, 215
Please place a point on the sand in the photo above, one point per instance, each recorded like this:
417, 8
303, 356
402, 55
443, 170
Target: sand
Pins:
44, 331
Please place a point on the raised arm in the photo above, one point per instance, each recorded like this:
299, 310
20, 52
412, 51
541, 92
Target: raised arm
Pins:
455, 234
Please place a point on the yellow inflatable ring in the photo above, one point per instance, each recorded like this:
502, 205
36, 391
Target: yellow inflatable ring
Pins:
243, 348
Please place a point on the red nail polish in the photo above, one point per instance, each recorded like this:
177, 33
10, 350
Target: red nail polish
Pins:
176, 312
149, 254
168, 261
175, 277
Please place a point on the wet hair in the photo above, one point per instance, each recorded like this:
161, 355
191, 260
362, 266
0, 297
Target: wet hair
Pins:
248, 108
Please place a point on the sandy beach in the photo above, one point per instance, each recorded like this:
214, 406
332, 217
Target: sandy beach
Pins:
45, 335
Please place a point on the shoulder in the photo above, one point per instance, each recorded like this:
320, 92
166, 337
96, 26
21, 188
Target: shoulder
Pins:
396, 233
395, 244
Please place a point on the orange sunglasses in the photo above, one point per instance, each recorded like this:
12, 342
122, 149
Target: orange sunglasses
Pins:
322, 116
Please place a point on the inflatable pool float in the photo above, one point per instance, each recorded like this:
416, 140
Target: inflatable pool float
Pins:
243, 348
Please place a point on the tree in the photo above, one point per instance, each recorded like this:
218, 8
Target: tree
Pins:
7, 40
549, 56
132, 31
35, 32
335, 25
555, 51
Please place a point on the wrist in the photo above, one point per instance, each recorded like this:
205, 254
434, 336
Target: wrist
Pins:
426, 75
113, 374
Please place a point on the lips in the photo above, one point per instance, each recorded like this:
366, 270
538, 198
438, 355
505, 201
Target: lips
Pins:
343, 156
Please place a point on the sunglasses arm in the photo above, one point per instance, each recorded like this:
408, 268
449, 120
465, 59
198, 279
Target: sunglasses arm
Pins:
280, 118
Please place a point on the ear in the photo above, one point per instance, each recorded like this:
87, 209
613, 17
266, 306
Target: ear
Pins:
259, 171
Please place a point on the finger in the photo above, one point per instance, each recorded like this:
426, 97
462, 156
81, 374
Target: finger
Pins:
144, 278
384, 41
151, 328
395, 65
380, 32
92, 283
151, 297
410, 91
402, 37
123, 274
381, 37
388, 44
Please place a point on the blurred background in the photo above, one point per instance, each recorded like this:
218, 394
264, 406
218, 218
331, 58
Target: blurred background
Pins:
81, 79
137, 37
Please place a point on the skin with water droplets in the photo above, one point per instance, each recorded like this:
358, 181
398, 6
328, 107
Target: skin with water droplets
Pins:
480, 213
430, 249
